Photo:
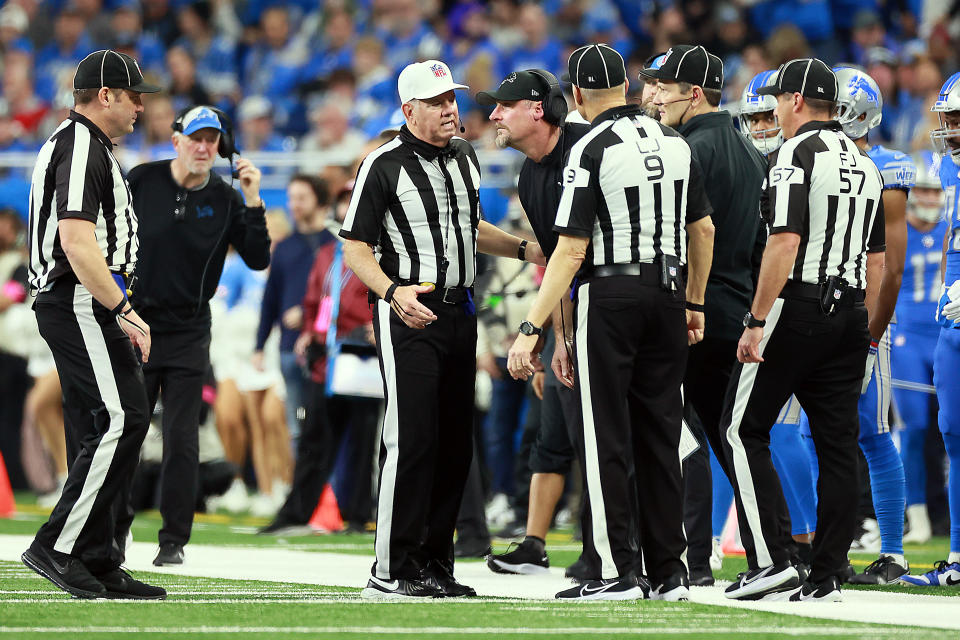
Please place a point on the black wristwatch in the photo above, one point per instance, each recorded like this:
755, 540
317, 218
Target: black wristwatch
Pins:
751, 322
527, 329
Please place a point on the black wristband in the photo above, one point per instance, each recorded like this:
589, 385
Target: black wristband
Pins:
693, 306
388, 295
522, 250
117, 309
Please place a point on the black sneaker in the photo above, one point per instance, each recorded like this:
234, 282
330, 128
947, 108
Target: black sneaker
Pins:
883, 570
758, 583
803, 571
702, 577
437, 576
170, 553
525, 559
471, 548
626, 588
676, 588
513, 530
399, 589
65, 571
826, 591
579, 571
284, 528
847, 573
121, 585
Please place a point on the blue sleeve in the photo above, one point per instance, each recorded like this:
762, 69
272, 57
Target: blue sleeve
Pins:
897, 170
270, 308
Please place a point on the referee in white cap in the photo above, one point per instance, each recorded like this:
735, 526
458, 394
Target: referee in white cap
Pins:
412, 231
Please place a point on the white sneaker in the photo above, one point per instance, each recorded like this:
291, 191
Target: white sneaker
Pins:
918, 520
716, 556
868, 540
498, 512
279, 492
236, 499
263, 505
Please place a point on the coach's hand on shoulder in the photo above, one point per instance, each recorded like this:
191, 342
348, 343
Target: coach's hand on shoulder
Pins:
694, 327
136, 329
748, 350
414, 313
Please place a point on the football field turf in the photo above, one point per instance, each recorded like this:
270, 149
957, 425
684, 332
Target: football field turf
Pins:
239, 585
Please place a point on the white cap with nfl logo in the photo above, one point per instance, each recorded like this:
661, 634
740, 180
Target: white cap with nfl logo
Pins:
422, 80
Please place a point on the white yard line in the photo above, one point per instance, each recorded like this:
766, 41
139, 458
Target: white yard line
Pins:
345, 570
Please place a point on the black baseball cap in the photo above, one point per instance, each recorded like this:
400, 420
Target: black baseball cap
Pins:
519, 85
810, 77
689, 63
111, 69
596, 66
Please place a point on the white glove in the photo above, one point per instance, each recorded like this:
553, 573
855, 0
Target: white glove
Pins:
951, 310
868, 370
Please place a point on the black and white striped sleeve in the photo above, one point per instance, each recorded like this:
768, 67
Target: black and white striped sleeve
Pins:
788, 190
698, 204
83, 174
368, 204
579, 202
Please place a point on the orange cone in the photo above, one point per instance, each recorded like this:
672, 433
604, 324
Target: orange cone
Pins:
326, 517
730, 542
7, 505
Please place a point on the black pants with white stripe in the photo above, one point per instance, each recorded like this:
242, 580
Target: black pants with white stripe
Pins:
105, 416
821, 359
631, 351
426, 447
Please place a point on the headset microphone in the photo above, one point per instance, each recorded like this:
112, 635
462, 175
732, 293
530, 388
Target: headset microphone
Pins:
460, 123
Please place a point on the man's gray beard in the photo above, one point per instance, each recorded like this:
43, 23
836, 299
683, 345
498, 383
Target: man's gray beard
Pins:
651, 111
502, 140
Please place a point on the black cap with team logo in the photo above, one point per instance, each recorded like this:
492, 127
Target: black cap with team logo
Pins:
519, 85
111, 69
596, 66
689, 63
810, 77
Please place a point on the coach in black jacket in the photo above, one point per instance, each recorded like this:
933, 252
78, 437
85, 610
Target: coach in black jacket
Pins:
688, 96
188, 215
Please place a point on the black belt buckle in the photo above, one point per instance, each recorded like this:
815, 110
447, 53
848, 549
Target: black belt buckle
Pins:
832, 294
671, 279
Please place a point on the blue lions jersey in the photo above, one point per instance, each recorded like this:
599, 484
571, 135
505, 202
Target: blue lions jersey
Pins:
950, 179
920, 288
896, 168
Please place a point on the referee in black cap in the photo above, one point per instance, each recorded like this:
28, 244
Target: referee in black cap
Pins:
632, 194
689, 81
806, 334
83, 246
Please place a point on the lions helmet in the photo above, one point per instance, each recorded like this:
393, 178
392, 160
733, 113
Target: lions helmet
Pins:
765, 140
859, 103
927, 200
947, 141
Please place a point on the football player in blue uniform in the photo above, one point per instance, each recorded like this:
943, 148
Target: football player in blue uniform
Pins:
946, 358
756, 117
914, 336
859, 106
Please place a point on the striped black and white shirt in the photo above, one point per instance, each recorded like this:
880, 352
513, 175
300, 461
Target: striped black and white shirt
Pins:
631, 186
821, 186
77, 176
418, 205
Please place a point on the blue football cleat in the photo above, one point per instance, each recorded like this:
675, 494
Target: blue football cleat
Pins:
943, 575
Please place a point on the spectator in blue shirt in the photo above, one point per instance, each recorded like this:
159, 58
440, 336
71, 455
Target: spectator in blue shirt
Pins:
127, 29
539, 49
469, 30
185, 88
215, 55
13, 25
405, 35
307, 200
59, 59
256, 131
336, 49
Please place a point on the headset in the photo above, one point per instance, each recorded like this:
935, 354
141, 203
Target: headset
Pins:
227, 148
554, 105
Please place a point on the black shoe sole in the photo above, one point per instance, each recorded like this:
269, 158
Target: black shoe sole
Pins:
119, 595
43, 569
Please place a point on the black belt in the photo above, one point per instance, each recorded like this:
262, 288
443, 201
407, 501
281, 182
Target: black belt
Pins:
647, 272
450, 295
796, 289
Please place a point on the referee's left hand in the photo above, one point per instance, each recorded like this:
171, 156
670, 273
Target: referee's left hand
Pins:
520, 359
748, 350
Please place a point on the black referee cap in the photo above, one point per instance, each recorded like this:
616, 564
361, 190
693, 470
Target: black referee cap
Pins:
111, 69
596, 66
810, 77
689, 63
